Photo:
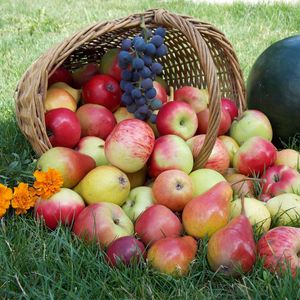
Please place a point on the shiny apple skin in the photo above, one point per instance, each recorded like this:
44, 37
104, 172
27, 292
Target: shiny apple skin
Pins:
103, 90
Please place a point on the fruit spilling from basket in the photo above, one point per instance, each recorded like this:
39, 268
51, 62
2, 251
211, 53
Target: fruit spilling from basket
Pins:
124, 144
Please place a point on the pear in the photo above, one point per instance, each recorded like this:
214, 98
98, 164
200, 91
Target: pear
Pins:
232, 249
256, 210
76, 94
208, 212
104, 184
285, 208
172, 255
71, 164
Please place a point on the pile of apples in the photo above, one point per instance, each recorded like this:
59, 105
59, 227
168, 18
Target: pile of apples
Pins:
131, 185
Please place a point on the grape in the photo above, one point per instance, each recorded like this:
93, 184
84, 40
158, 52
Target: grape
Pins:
140, 101
152, 118
143, 109
160, 31
136, 93
156, 104
123, 84
151, 93
126, 75
147, 60
147, 83
148, 33
129, 87
146, 72
124, 59
156, 68
126, 99
126, 44
131, 108
137, 63
139, 116
150, 49
139, 44
157, 40
161, 50
135, 76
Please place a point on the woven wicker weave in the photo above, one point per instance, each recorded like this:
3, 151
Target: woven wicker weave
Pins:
199, 55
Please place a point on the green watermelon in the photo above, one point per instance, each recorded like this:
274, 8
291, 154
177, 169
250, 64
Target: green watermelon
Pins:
273, 87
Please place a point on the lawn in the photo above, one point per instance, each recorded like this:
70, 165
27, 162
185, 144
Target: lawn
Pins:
39, 264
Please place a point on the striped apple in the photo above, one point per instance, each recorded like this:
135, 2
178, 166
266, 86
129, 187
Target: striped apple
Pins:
129, 145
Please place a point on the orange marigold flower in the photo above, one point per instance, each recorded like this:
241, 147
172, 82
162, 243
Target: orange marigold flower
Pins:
47, 183
24, 198
5, 197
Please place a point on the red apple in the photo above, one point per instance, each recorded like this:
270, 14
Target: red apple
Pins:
103, 90
279, 248
102, 222
95, 120
84, 74
173, 188
62, 207
61, 74
241, 185
126, 249
177, 117
254, 156
280, 179
219, 158
109, 64
197, 98
129, 145
161, 93
59, 98
170, 152
231, 107
203, 118
157, 222
63, 127
173, 255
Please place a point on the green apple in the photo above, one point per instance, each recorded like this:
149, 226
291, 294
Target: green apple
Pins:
284, 209
204, 179
256, 211
94, 147
251, 123
138, 200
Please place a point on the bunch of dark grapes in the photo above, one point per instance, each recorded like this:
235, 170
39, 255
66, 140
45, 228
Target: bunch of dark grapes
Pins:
137, 59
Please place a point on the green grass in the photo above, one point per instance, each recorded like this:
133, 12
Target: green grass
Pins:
38, 264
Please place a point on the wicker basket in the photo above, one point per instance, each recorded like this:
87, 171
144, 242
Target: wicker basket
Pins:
199, 55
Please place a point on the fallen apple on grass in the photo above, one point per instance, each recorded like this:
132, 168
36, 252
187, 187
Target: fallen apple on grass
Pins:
61, 208
157, 222
126, 250
288, 157
173, 255
103, 223
279, 249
